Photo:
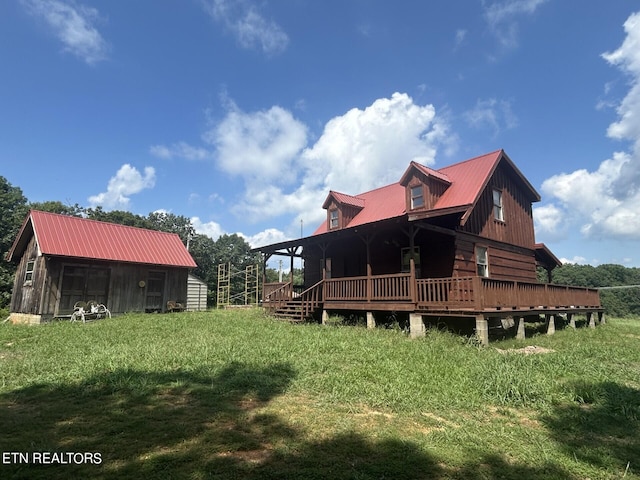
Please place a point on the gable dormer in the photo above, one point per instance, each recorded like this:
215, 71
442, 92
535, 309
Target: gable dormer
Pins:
341, 208
423, 187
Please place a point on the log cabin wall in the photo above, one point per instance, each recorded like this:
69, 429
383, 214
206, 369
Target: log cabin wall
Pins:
517, 227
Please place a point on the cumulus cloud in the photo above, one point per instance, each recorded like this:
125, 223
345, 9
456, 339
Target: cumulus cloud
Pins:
73, 25
502, 19
211, 229
260, 146
358, 151
250, 28
605, 202
126, 182
492, 114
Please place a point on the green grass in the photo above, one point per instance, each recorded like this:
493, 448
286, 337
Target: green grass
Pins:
234, 394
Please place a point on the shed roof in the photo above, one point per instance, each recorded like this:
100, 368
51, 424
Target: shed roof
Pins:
75, 237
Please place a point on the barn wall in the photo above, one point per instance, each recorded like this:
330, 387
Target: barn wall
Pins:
26, 297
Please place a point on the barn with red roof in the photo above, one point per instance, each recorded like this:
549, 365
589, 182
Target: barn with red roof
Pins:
63, 260
455, 243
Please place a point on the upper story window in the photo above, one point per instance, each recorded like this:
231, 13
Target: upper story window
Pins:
417, 197
28, 275
333, 218
498, 211
482, 261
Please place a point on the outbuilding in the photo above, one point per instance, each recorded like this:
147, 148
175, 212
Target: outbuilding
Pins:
64, 259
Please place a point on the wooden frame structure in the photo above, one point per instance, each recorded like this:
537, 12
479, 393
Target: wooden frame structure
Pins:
453, 243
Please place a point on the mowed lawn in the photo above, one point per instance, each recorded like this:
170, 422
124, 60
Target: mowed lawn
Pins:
235, 394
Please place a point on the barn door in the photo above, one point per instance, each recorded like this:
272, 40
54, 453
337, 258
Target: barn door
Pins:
155, 292
82, 284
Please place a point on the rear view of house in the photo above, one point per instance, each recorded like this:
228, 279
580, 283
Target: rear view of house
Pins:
63, 259
453, 243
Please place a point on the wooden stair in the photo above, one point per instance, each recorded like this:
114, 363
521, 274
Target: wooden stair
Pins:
301, 307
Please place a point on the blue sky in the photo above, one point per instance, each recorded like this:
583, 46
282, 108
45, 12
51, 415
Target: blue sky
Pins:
241, 115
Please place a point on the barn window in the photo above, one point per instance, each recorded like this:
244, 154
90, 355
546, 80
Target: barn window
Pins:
498, 212
482, 261
28, 275
417, 197
333, 218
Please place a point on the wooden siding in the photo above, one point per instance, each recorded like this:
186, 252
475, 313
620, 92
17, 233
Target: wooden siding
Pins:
517, 227
505, 261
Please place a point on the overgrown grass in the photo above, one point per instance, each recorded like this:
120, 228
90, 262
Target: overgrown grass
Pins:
234, 394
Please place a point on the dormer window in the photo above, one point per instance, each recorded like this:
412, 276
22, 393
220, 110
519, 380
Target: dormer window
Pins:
417, 197
333, 218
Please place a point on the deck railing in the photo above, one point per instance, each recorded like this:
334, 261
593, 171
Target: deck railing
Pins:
454, 293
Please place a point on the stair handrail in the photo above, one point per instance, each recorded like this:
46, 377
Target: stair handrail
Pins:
310, 299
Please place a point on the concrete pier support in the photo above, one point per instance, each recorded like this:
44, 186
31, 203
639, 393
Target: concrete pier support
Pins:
482, 329
591, 319
572, 320
551, 324
416, 326
520, 334
325, 317
601, 319
371, 321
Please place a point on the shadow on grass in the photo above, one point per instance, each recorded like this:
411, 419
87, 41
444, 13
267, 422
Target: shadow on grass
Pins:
602, 428
185, 424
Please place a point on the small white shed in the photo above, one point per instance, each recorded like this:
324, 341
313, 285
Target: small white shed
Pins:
196, 294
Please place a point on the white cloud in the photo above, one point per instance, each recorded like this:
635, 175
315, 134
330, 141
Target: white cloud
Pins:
358, 151
73, 25
211, 229
180, 150
261, 146
605, 202
548, 220
126, 182
266, 237
461, 34
251, 29
578, 260
502, 19
493, 114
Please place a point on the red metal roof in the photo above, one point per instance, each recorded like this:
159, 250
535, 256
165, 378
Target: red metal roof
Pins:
466, 180
66, 236
344, 199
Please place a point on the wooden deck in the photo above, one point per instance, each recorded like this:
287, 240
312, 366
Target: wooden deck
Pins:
467, 296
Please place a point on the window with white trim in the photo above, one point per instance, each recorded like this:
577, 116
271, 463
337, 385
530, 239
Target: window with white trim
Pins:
498, 212
417, 197
28, 274
482, 261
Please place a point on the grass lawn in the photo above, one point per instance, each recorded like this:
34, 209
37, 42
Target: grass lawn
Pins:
234, 394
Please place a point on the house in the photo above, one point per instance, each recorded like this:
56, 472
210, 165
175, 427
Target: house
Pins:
452, 244
63, 259
196, 294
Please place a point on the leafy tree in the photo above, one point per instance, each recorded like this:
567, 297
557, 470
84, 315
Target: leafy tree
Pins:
57, 207
120, 217
169, 222
13, 209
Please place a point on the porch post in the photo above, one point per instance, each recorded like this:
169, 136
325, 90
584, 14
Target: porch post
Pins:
572, 320
551, 324
520, 334
482, 329
591, 320
416, 325
371, 321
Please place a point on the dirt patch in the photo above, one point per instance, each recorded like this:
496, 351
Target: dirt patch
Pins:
530, 350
